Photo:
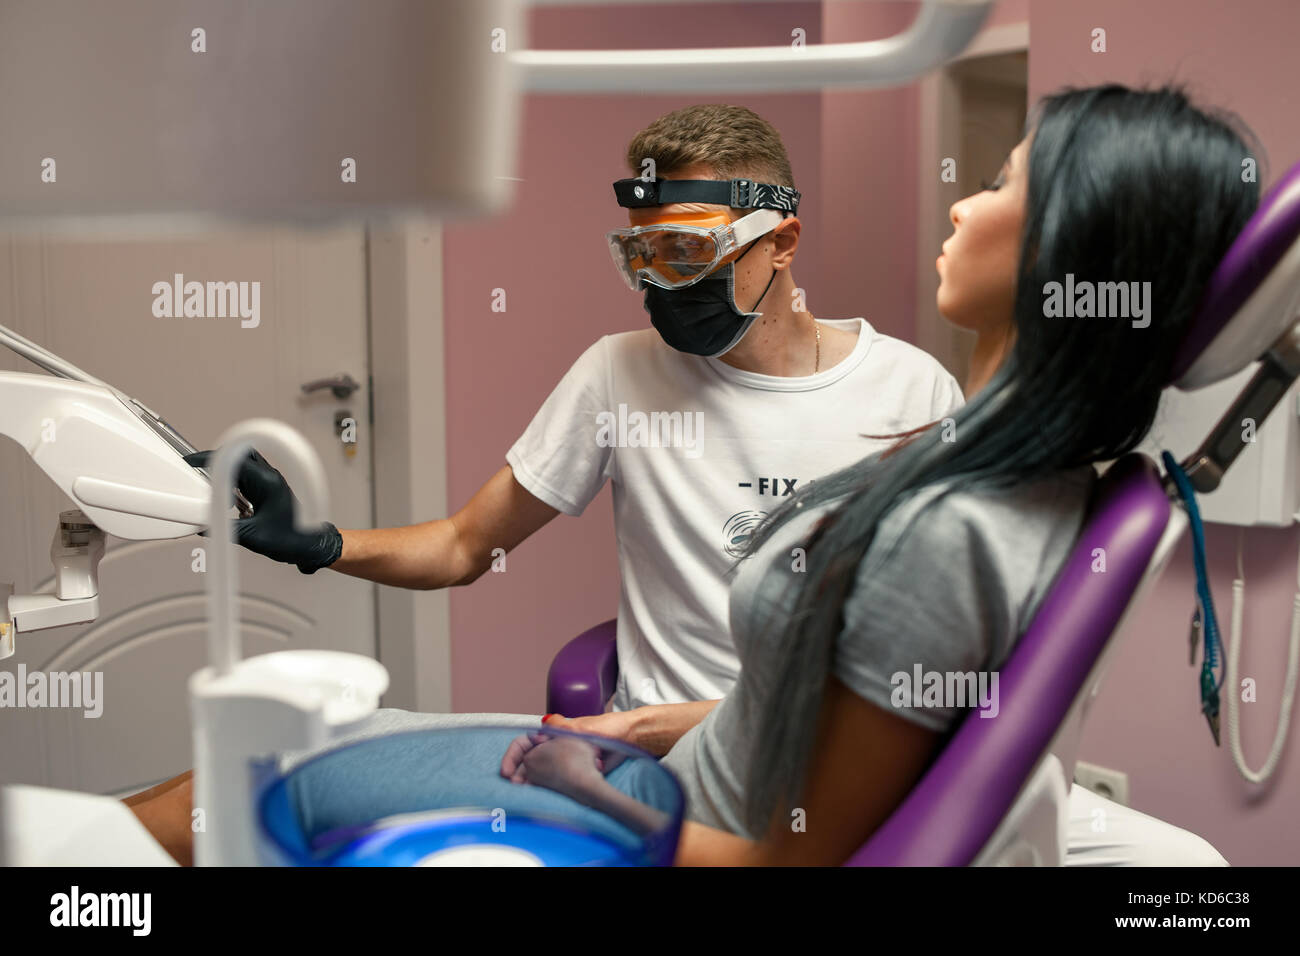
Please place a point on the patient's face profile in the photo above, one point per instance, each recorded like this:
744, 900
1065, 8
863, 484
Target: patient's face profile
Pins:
977, 270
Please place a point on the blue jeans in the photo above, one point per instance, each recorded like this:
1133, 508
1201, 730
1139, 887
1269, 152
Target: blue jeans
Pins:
450, 761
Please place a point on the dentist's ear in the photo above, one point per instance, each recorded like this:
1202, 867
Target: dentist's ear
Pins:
786, 239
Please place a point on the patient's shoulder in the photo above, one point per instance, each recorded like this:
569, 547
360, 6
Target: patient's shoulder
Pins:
1001, 515
953, 578
993, 541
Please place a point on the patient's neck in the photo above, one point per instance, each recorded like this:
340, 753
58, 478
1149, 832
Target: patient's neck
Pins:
991, 349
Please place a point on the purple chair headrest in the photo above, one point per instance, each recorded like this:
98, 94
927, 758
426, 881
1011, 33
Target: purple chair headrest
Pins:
1253, 296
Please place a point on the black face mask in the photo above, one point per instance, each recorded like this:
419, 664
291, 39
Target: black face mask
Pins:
702, 319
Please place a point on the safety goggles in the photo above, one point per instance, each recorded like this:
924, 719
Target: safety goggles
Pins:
679, 250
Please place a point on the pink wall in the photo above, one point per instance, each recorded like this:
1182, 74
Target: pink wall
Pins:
1146, 720
869, 180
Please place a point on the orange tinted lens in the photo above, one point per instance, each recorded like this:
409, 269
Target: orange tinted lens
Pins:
671, 254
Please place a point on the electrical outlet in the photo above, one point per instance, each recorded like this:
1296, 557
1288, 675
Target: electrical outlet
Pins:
1111, 784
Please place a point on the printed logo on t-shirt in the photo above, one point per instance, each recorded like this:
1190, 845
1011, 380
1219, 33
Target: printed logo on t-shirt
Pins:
738, 529
771, 487
740, 526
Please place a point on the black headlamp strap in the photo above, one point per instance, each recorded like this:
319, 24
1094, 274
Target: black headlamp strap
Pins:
738, 193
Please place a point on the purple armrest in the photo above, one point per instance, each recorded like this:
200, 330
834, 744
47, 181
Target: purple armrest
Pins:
583, 674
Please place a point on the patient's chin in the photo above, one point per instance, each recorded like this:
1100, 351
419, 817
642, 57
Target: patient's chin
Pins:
979, 318
953, 313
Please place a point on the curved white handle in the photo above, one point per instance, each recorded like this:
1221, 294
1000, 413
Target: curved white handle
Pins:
942, 29
303, 471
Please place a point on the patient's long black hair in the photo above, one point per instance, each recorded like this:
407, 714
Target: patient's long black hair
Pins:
1124, 185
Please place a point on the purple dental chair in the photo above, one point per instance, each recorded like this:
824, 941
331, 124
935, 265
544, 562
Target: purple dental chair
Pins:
996, 794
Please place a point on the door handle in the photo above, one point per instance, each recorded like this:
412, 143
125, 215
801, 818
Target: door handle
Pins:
342, 385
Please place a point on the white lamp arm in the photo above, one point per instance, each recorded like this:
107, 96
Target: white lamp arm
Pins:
941, 30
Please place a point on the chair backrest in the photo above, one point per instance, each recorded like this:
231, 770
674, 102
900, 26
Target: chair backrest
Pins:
956, 807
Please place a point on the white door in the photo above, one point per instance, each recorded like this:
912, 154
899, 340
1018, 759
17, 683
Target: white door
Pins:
92, 302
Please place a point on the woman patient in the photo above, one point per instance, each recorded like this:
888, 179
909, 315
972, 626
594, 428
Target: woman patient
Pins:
936, 554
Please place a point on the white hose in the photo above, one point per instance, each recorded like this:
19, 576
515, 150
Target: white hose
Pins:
1234, 690
38, 355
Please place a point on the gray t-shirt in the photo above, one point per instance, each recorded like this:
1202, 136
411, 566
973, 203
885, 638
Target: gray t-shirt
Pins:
950, 594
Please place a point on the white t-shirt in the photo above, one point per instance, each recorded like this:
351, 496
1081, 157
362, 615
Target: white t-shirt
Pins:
699, 452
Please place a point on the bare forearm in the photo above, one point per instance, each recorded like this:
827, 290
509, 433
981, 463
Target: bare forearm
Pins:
449, 551
659, 726
167, 812
421, 556
700, 845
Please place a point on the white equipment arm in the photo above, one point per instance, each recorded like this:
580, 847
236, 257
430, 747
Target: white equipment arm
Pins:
942, 29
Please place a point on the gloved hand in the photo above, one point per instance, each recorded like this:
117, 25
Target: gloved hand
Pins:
270, 530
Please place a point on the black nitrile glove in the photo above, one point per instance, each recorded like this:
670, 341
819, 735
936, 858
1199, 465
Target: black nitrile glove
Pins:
270, 531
